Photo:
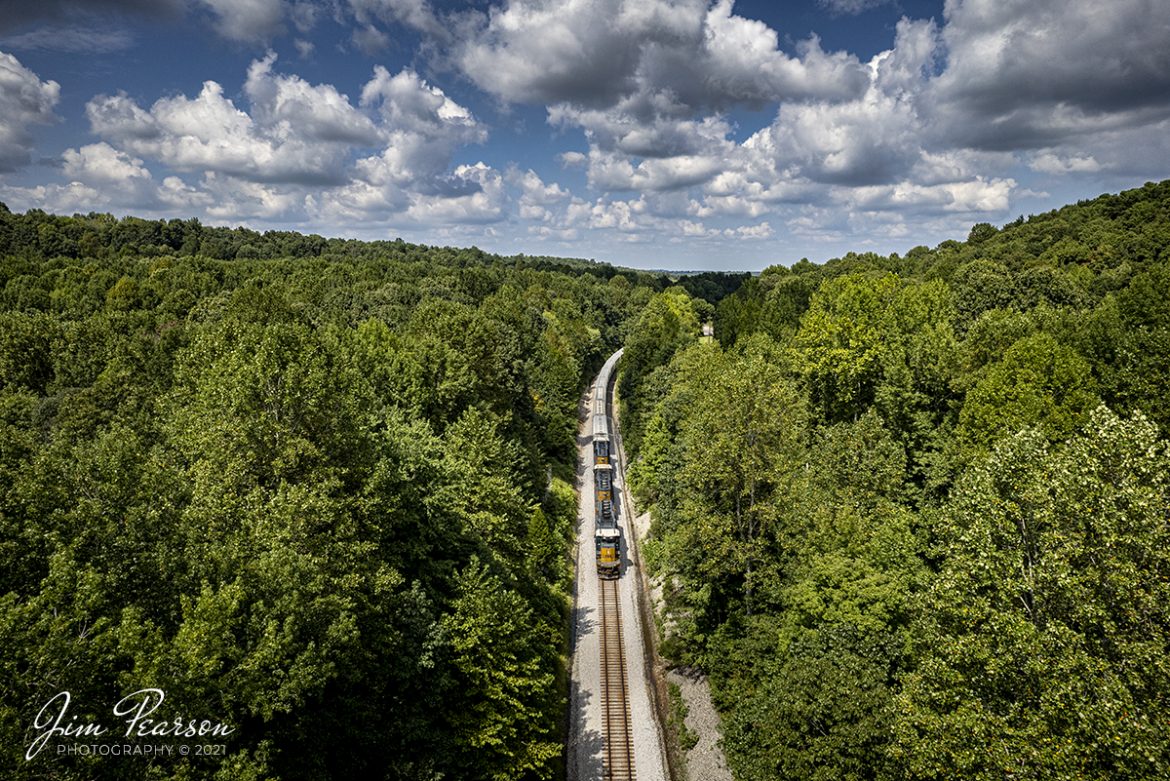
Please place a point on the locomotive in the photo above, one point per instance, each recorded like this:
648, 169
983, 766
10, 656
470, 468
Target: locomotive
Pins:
607, 535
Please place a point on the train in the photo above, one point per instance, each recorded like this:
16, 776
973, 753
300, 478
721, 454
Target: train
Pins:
607, 535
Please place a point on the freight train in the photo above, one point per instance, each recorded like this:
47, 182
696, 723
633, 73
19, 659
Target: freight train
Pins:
607, 535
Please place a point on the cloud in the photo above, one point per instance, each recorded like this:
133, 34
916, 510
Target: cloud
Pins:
305, 14
423, 129
869, 141
209, 133
408, 102
99, 177
1030, 74
850, 7
289, 104
296, 132
101, 164
293, 151
25, 101
977, 195
932, 127
235, 199
63, 199
102, 177
416, 14
563, 51
370, 40
182, 197
874, 138
741, 61
635, 129
471, 194
81, 40
869, 152
1050, 163
676, 152
1140, 153
20, 15
248, 20
624, 216
813, 146
647, 82
597, 54
482, 201
535, 196
760, 231
610, 172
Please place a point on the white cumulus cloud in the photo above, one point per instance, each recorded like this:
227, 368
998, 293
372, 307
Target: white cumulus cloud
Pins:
25, 101
597, 54
1050, 163
102, 164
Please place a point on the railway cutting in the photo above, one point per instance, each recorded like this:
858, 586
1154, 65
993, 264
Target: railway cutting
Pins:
613, 728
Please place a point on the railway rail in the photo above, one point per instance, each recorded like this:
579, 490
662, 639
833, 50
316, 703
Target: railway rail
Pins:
615, 694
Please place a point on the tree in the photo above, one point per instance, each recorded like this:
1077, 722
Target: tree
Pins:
1042, 642
743, 440
506, 726
1039, 382
669, 321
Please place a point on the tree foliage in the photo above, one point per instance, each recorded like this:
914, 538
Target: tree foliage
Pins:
911, 513
311, 488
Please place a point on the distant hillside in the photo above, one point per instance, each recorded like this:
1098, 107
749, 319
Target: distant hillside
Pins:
39, 235
1072, 256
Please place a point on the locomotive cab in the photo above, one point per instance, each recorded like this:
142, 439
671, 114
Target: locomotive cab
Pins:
609, 547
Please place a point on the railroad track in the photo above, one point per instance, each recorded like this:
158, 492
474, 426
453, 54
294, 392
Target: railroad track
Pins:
615, 695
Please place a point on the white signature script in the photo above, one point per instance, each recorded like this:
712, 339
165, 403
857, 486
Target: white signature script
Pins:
54, 720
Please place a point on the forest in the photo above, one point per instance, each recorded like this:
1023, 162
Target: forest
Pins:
320, 491
912, 513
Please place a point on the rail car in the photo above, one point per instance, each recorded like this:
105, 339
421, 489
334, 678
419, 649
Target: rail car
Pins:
603, 483
607, 534
600, 438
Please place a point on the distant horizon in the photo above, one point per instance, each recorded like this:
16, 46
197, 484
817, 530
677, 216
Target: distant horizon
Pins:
696, 134
604, 261
900, 249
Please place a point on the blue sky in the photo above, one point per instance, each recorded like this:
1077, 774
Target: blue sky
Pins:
654, 133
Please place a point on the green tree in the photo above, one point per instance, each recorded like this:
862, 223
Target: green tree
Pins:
1038, 382
744, 439
506, 727
1042, 641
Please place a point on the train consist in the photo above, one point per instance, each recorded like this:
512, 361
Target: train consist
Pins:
607, 536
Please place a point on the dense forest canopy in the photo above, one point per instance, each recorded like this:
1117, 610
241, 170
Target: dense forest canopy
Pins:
36, 234
912, 513
317, 489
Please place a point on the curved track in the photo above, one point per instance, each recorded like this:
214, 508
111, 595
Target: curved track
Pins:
614, 730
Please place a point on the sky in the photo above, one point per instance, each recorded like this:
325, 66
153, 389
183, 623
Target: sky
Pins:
667, 134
